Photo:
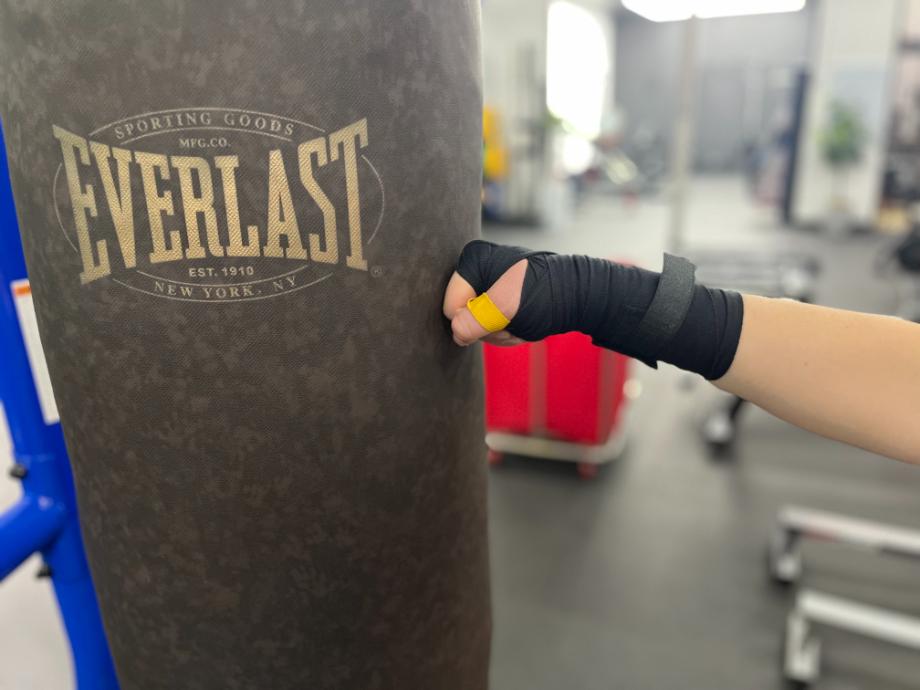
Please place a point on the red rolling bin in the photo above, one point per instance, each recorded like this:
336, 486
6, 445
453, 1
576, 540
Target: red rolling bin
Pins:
560, 399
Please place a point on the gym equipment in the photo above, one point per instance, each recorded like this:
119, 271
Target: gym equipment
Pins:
239, 219
494, 164
794, 524
780, 274
561, 398
801, 653
45, 518
904, 257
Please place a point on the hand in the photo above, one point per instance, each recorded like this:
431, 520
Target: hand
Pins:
505, 293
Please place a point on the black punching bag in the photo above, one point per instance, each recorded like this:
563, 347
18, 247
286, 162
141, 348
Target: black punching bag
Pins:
239, 217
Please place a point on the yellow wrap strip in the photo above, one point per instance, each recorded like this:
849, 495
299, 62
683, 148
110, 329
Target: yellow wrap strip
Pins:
487, 314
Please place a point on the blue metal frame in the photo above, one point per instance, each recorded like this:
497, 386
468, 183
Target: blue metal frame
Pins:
45, 518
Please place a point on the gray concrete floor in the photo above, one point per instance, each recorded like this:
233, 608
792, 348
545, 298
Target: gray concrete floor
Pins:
652, 576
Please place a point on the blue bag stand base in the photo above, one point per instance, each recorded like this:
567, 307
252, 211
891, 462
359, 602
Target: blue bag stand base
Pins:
45, 519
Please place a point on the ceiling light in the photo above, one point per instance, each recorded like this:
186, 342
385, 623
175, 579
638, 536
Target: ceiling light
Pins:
661, 10
677, 10
735, 8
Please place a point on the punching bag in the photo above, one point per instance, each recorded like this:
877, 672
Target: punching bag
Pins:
239, 218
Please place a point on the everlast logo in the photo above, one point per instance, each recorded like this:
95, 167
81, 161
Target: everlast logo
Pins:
247, 221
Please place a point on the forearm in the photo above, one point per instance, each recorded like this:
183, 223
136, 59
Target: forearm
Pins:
852, 377
848, 376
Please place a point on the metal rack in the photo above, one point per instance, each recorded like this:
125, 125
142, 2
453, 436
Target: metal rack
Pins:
45, 519
802, 650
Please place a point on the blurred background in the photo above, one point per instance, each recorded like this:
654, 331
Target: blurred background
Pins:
777, 143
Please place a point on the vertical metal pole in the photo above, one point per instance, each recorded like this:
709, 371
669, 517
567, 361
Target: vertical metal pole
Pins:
45, 519
682, 146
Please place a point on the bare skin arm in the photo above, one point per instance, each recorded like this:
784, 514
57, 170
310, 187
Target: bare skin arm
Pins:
847, 376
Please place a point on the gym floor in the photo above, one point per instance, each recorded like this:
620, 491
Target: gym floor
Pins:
653, 575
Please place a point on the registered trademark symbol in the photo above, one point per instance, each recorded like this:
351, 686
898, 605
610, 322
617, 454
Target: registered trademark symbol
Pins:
376, 272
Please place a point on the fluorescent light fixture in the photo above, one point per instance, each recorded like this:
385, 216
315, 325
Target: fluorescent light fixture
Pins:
661, 10
736, 8
677, 10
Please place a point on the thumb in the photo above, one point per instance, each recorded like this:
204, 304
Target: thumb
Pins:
505, 294
466, 329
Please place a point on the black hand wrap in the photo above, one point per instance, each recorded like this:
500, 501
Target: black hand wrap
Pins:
647, 315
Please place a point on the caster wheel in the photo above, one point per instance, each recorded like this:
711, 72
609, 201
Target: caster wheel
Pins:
774, 577
588, 470
495, 457
720, 451
784, 564
719, 434
800, 654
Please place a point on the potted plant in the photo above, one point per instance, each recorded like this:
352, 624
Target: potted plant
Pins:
842, 142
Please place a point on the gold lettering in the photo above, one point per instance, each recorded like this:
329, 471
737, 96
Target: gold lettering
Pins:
157, 205
345, 138
305, 153
120, 200
193, 205
83, 201
237, 247
281, 218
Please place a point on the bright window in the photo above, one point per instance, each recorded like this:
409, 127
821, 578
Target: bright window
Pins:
577, 68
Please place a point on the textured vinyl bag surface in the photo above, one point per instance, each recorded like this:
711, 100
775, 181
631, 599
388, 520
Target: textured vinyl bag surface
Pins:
239, 217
